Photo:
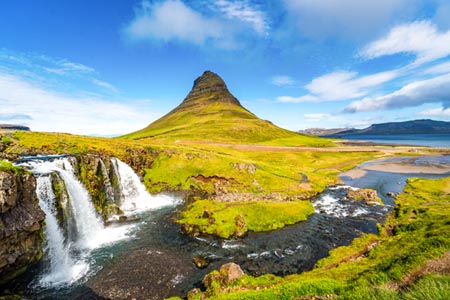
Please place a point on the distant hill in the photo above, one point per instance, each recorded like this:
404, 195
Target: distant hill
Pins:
14, 127
211, 113
323, 131
408, 127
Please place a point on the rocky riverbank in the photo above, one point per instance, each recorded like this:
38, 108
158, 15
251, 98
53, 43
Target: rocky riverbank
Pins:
21, 221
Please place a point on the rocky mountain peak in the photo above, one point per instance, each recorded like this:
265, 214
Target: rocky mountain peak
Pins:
209, 87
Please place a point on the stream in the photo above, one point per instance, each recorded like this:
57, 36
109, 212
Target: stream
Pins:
151, 259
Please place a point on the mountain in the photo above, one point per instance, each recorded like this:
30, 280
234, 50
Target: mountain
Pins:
14, 127
211, 113
323, 131
408, 127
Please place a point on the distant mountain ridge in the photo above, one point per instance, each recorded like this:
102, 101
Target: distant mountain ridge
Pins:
426, 126
14, 127
323, 131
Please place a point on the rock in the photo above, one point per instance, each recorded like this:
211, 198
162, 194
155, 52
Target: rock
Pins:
230, 272
227, 274
200, 262
390, 194
368, 195
21, 221
207, 214
193, 293
241, 226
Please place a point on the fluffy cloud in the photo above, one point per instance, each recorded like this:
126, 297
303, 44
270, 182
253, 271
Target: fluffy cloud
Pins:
42, 109
340, 85
435, 90
344, 18
173, 20
422, 39
245, 12
282, 80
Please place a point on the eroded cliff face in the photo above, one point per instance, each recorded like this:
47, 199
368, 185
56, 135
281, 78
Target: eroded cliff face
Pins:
21, 221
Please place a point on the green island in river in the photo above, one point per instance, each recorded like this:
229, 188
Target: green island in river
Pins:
239, 174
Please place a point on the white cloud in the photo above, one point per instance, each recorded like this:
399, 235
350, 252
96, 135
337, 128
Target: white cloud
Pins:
46, 110
173, 20
340, 85
282, 80
422, 39
345, 18
105, 85
245, 12
435, 90
439, 68
317, 117
436, 112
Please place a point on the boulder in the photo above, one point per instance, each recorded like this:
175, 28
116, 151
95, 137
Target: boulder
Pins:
368, 195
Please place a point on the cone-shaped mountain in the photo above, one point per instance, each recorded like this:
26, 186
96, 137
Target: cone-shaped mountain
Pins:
210, 112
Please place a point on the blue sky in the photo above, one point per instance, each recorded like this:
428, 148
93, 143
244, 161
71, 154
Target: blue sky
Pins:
111, 67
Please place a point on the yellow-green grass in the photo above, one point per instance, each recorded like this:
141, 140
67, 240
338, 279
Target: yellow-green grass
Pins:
64, 143
225, 123
236, 218
177, 166
6, 166
276, 172
389, 266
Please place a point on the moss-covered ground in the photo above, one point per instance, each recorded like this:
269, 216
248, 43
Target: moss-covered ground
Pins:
410, 259
236, 218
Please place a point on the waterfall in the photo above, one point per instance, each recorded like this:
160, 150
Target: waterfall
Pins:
68, 256
68, 259
134, 197
62, 267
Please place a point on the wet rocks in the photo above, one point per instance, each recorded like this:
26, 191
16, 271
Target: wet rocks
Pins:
200, 262
367, 195
21, 222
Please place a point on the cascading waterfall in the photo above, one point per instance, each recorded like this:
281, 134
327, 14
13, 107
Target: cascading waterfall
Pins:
62, 267
68, 258
134, 196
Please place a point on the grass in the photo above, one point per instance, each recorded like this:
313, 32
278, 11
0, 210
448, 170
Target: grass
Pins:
223, 123
408, 260
6, 166
236, 218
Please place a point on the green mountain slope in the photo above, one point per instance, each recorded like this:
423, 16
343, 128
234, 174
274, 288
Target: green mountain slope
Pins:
211, 113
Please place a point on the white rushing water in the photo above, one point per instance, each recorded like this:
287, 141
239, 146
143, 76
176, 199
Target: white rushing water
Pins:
134, 196
68, 250
62, 266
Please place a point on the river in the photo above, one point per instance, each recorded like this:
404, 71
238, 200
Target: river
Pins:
153, 260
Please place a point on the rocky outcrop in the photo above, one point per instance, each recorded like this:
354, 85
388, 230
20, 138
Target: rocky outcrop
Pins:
217, 279
367, 195
208, 88
21, 221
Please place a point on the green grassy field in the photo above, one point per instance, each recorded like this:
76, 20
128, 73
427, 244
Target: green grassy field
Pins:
408, 260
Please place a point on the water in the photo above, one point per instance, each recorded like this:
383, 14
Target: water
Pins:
438, 140
71, 254
156, 260
62, 266
134, 196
